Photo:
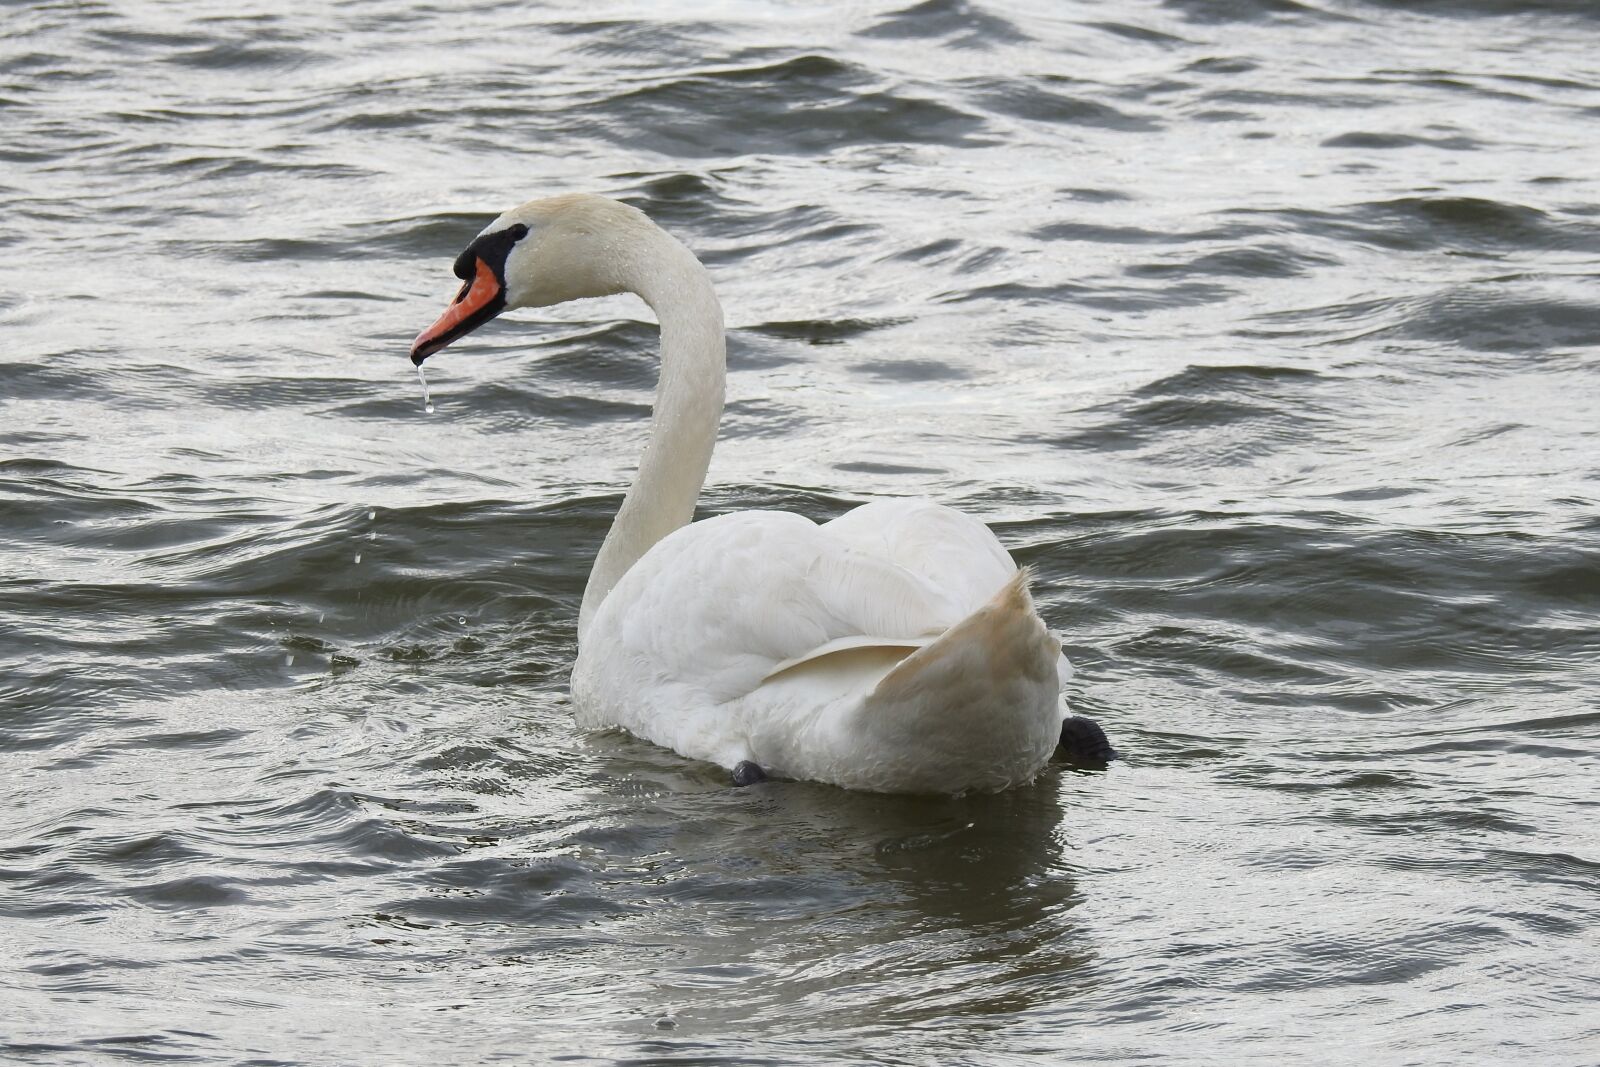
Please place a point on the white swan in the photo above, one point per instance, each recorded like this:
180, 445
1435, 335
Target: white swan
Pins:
894, 649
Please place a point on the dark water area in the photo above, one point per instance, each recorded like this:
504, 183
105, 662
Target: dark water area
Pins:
1266, 331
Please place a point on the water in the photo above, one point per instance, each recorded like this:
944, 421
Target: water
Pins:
427, 399
1265, 331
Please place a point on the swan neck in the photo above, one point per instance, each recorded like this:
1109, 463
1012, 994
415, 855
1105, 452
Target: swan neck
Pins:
683, 423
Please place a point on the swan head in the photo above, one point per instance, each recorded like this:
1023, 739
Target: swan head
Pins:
544, 252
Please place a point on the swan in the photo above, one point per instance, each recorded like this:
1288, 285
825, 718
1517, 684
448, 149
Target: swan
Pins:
894, 649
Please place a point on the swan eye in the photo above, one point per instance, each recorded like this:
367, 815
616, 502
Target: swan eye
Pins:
492, 248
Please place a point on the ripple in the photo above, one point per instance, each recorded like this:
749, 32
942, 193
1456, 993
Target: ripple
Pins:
1503, 320
1457, 223
958, 23
1366, 140
1260, 261
1501, 8
823, 331
1277, 377
236, 55
1240, 411
1050, 98
911, 370
811, 104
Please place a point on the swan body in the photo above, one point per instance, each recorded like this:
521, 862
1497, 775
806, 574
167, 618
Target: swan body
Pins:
893, 649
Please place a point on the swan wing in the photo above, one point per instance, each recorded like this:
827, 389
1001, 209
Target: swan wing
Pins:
718, 606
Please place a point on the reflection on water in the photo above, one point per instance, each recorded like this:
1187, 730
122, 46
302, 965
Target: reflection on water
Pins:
1264, 332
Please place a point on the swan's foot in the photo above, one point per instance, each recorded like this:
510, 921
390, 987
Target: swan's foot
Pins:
1084, 743
747, 773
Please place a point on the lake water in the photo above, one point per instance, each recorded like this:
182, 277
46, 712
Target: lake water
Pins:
1266, 331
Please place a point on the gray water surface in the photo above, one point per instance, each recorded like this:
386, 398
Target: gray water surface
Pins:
1265, 331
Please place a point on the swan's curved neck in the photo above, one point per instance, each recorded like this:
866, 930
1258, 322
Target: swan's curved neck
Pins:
688, 406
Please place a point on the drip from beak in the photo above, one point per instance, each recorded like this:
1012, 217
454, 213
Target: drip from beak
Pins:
481, 299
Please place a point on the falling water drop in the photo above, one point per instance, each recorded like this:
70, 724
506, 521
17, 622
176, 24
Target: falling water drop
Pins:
427, 400
358, 557
374, 513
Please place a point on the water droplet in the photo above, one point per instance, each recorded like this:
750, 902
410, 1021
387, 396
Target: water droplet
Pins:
358, 557
372, 536
427, 400
289, 661
372, 515
463, 620
321, 615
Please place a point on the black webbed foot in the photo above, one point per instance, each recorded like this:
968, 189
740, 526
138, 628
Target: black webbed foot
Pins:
747, 773
1083, 743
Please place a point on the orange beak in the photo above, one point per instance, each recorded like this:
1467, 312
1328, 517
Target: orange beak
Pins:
481, 299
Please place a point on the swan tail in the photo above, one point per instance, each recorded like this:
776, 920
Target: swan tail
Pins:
978, 708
